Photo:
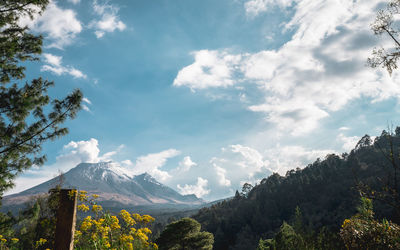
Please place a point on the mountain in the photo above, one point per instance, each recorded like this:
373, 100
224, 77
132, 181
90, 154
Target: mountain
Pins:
115, 186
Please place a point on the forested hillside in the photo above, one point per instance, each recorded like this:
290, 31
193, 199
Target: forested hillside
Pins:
326, 192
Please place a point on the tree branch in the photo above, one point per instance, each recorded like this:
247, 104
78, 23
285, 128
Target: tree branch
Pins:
38, 133
391, 35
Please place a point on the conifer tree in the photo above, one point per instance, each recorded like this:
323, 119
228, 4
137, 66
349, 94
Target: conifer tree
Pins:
28, 115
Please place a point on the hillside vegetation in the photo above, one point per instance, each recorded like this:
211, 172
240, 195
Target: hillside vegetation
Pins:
326, 192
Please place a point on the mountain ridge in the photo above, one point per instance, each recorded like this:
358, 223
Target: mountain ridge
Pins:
114, 185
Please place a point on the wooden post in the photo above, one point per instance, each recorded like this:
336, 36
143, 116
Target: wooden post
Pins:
66, 219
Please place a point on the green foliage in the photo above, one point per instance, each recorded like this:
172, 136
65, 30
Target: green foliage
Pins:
246, 189
185, 234
287, 238
26, 118
327, 191
362, 231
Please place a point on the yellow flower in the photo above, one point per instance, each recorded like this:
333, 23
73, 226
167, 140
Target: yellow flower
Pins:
40, 242
114, 223
94, 236
14, 240
137, 217
77, 233
86, 224
72, 193
346, 221
130, 246
97, 208
147, 218
141, 235
3, 240
127, 217
83, 208
146, 230
82, 196
95, 196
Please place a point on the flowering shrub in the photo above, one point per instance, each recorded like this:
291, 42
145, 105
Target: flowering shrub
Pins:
106, 231
13, 243
362, 231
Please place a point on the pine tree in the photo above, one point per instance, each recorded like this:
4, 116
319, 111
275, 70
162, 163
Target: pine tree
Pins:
28, 115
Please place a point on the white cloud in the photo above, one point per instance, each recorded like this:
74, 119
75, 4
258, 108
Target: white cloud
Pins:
59, 25
283, 159
85, 99
349, 142
54, 65
152, 163
210, 69
84, 151
221, 173
186, 164
84, 106
199, 189
319, 71
74, 1
108, 19
255, 7
238, 163
252, 159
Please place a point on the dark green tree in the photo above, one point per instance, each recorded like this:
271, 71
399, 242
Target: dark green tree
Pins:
185, 234
246, 189
28, 115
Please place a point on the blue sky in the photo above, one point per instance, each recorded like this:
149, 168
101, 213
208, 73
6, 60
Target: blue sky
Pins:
207, 95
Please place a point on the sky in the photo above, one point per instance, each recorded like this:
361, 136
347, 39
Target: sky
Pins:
207, 95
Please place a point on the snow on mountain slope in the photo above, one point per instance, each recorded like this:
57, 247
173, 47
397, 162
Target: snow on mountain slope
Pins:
113, 184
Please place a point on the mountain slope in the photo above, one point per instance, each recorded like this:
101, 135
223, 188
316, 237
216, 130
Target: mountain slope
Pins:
114, 185
326, 193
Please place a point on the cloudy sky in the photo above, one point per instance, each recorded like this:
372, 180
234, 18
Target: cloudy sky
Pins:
206, 95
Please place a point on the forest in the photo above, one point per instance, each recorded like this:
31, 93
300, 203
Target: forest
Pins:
315, 200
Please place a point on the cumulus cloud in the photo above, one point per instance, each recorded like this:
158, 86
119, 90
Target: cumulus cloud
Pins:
221, 174
349, 142
237, 163
186, 164
54, 65
108, 20
251, 158
199, 189
210, 69
152, 163
285, 158
319, 71
74, 1
60, 26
